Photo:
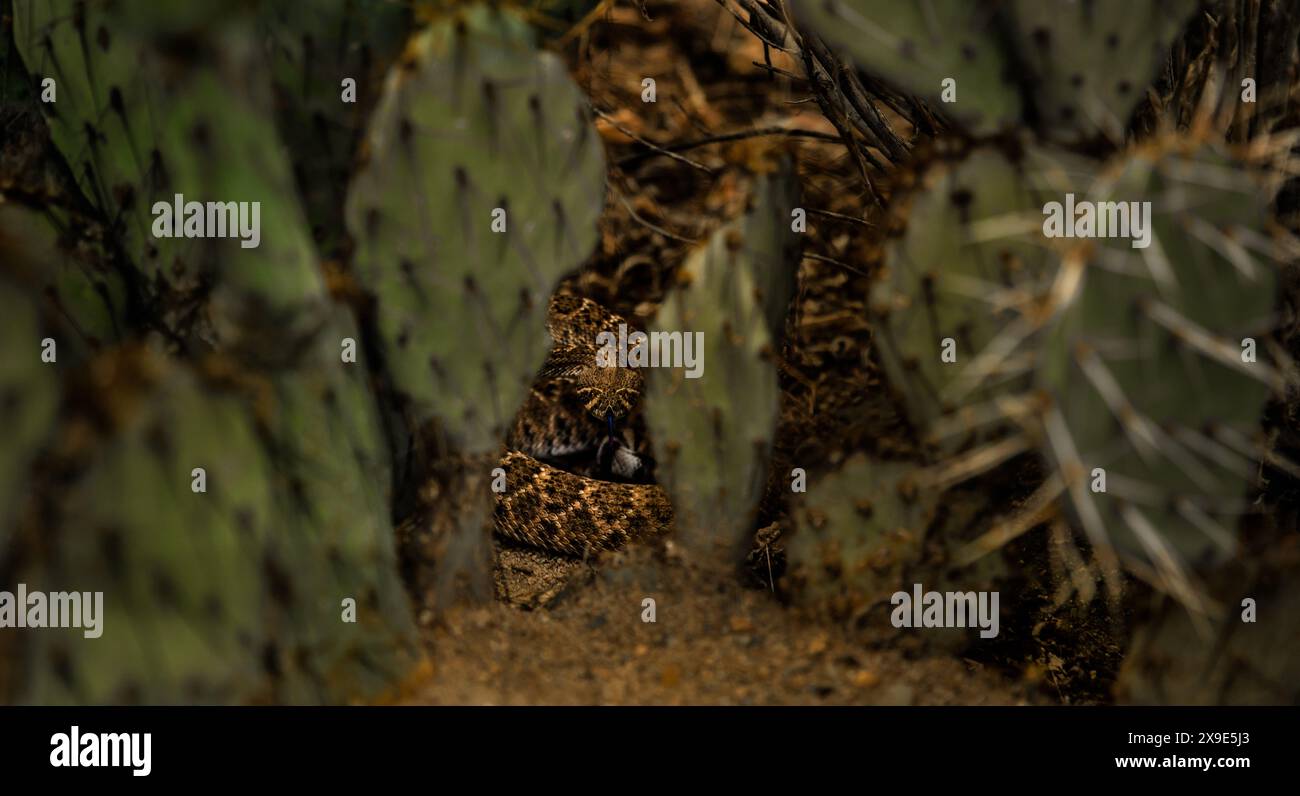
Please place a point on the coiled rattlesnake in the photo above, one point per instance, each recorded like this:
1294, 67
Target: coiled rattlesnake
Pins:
570, 414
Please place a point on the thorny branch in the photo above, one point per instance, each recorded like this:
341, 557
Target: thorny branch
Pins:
849, 103
672, 149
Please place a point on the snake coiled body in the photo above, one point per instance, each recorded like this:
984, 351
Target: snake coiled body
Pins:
568, 416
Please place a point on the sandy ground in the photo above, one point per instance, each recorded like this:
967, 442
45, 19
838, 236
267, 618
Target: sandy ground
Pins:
713, 642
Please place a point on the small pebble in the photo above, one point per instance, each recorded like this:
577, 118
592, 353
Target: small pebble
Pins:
864, 679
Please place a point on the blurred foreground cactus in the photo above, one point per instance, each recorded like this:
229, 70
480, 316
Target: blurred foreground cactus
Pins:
480, 183
263, 470
1174, 660
1137, 383
230, 593
1160, 364
995, 333
261, 461
1072, 70
1133, 365
138, 123
28, 391
1132, 377
327, 59
957, 294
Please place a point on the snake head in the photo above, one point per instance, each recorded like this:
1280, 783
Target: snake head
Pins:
607, 392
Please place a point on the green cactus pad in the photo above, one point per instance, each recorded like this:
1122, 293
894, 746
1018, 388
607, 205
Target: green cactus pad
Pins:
473, 120
1173, 661
16, 86
919, 45
81, 293
1140, 394
234, 594
180, 572
1092, 62
83, 307
107, 114
712, 434
336, 537
858, 530
771, 245
970, 267
29, 395
138, 125
312, 47
1082, 66
273, 292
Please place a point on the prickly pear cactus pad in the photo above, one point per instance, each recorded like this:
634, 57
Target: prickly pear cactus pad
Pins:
83, 305
1072, 68
28, 399
107, 110
327, 63
335, 538
1160, 364
139, 128
272, 289
174, 627
1090, 63
225, 585
920, 45
965, 286
482, 184
86, 296
858, 529
772, 246
1175, 660
713, 433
